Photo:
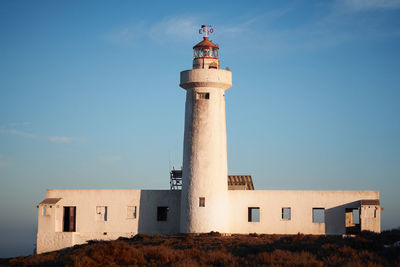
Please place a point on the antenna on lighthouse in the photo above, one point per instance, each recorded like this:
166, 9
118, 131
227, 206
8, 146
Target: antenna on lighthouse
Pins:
206, 29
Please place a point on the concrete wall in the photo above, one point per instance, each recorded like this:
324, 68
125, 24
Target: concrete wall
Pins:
88, 224
301, 204
370, 216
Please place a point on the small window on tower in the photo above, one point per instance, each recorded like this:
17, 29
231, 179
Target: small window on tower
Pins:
213, 66
202, 95
202, 202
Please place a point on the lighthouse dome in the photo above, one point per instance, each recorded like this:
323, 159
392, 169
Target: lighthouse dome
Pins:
206, 48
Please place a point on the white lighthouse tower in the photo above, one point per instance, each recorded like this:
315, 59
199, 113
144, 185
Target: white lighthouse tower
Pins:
204, 199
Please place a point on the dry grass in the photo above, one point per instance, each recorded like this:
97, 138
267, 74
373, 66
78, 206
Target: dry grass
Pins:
215, 250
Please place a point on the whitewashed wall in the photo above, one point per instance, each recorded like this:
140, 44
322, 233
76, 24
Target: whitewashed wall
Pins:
50, 236
301, 203
50, 233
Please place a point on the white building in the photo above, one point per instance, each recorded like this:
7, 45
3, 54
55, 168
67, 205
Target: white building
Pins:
202, 197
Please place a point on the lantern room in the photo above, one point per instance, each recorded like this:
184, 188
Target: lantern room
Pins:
206, 48
205, 53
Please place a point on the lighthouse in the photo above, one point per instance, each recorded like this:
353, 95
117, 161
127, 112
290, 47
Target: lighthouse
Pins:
204, 196
67, 217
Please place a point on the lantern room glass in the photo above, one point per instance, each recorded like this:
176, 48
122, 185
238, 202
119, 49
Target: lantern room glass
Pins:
206, 51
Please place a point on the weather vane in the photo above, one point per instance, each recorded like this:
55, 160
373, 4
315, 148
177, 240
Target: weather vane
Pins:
206, 29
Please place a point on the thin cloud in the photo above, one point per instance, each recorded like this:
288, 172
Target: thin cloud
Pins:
246, 25
170, 29
342, 23
127, 35
363, 5
10, 130
60, 139
174, 29
109, 159
336, 27
18, 124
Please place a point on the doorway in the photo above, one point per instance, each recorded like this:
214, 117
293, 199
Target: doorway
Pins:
353, 221
69, 219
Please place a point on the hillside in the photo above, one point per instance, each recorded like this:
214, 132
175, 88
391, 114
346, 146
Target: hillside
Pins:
237, 250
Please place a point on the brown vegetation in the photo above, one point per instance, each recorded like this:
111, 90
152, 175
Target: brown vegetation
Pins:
236, 250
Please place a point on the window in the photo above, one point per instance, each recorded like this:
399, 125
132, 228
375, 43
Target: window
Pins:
162, 213
318, 215
202, 95
254, 214
69, 220
356, 216
101, 213
131, 212
44, 211
286, 214
202, 202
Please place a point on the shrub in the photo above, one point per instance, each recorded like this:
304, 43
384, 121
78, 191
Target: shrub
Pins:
216, 250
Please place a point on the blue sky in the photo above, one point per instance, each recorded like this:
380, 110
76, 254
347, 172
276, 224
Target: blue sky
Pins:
89, 97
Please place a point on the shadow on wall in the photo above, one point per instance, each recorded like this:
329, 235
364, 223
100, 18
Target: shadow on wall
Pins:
335, 218
159, 211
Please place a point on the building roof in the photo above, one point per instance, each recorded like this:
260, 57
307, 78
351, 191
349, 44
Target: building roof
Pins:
50, 201
243, 180
205, 43
370, 202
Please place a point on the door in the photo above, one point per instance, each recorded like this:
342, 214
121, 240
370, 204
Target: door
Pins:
69, 219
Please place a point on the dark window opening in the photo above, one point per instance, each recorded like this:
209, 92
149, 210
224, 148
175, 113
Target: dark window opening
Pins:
162, 213
202, 202
69, 220
202, 95
286, 214
318, 215
253, 214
